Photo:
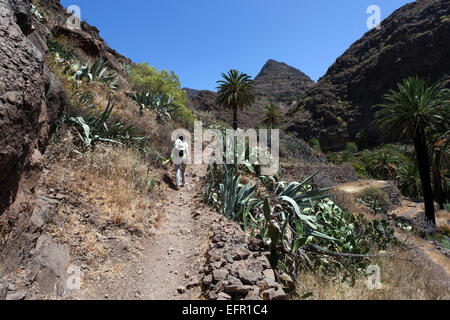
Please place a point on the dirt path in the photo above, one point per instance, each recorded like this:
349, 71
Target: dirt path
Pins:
175, 255
407, 211
169, 267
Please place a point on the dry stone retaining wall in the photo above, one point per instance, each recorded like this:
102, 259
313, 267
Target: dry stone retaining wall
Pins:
237, 266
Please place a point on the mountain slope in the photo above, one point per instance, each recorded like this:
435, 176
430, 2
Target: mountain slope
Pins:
412, 41
281, 83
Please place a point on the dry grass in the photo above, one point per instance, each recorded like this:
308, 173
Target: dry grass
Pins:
113, 179
401, 280
102, 195
346, 201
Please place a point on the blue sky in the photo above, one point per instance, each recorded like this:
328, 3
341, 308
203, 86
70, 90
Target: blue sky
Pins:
200, 39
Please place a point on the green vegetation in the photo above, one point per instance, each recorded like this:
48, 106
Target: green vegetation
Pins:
272, 116
233, 199
408, 179
96, 73
375, 199
350, 152
161, 103
383, 164
37, 11
145, 78
301, 226
441, 239
445, 19
362, 140
103, 129
58, 48
413, 110
235, 92
447, 207
315, 144
390, 162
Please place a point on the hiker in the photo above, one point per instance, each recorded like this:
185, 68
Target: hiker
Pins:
180, 158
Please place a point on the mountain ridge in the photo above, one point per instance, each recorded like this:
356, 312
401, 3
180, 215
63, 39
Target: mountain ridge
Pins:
412, 41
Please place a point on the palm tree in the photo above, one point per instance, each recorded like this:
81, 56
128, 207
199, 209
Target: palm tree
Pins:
408, 112
439, 138
272, 116
235, 92
382, 164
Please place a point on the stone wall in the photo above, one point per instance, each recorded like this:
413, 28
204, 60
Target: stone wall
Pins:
238, 267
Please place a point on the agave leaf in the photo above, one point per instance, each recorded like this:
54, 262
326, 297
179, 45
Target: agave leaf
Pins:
310, 178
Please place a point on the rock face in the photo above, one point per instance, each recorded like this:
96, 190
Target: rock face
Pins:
191, 93
31, 100
412, 41
279, 82
237, 267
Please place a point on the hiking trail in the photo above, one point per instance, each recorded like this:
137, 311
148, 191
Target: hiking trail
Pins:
169, 267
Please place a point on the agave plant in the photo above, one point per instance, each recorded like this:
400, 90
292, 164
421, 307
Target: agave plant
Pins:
98, 129
283, 217
160, 102
97, 73
235, 197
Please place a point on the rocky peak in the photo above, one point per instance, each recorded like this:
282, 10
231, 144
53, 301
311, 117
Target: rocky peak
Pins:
280, 82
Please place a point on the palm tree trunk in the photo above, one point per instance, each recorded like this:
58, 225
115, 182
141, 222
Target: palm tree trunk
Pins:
437, 181
235, 118
423, 159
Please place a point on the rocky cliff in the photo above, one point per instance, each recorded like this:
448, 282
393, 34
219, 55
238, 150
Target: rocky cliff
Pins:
412, 41
31, 100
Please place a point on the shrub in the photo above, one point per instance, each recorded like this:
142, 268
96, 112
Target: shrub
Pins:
297, 222
57, 47
361, 139
447, 207
352, 148
333, 157
146, 78
360, 170
315, 144
160, 102
383, 164
344, 200
409, 179
375, 199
